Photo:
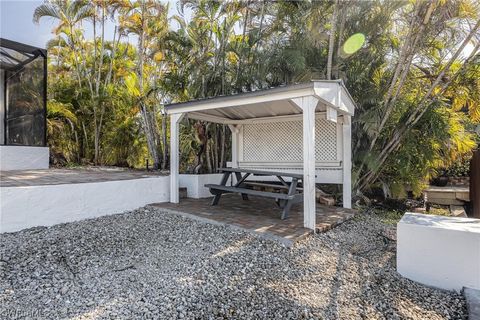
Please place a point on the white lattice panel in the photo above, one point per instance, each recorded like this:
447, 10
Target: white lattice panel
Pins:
283, 141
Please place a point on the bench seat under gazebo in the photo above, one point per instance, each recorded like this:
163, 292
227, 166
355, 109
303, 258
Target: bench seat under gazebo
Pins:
301, 129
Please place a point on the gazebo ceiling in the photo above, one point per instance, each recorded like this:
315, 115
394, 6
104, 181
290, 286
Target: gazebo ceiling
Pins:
268, 103
254, 110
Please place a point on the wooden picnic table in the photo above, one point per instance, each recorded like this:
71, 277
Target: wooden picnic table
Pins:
283, 200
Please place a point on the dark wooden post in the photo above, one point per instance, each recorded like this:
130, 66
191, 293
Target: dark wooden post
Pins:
475, 184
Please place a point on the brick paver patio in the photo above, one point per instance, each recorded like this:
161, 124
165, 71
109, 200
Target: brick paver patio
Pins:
66, 176
260, 215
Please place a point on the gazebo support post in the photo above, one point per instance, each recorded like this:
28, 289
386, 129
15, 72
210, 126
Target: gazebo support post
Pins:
347, 161
175, 119
308, 105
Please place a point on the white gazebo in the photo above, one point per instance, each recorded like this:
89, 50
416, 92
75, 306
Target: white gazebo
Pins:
295, 128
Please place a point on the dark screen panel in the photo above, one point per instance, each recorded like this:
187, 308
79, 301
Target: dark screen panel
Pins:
25, 114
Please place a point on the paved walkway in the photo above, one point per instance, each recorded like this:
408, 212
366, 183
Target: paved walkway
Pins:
66, 176
260, 215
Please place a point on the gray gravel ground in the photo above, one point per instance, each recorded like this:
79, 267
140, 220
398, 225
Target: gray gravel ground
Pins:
148, 264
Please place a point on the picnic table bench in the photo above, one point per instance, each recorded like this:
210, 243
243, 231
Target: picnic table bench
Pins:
283, 200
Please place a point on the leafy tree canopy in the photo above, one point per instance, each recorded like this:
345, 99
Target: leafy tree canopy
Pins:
413, 68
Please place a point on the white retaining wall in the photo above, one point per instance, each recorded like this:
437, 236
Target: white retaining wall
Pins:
25, 207
23, 158
439, 251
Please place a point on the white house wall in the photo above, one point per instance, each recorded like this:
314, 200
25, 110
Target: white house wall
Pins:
23, 158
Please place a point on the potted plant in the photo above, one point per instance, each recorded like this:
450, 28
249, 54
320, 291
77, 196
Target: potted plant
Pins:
441, 180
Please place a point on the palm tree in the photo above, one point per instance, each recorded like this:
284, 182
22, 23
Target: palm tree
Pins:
147, 19
88, 57
61, 126
69, 14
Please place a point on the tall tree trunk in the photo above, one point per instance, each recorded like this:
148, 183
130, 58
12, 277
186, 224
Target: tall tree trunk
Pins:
213, 151
207, 150
343, 12
222, 147
202, 137
156, 134
96, 141
244, 32
331, 41
95, 93
257, 45
217, 147
85, 139
149, 129
75, 56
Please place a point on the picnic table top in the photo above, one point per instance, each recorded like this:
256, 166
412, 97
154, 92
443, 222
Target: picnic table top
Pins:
263, 172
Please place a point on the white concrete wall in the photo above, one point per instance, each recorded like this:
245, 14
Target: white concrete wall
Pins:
439, 251
195, 184
25, 207
23, 158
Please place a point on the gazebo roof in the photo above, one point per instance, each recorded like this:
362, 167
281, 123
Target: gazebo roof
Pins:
274, 102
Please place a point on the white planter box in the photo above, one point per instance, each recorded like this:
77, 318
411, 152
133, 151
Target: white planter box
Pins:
26, 207
23, 158
195, 184
439, 251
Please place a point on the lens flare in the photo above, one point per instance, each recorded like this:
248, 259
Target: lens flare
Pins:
354, 43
